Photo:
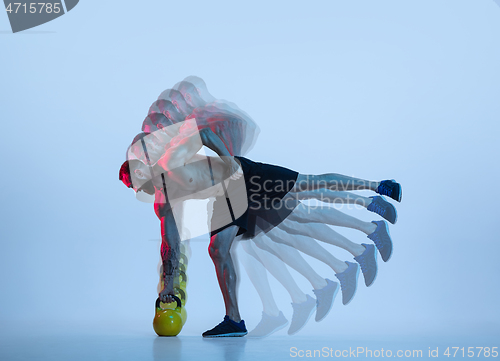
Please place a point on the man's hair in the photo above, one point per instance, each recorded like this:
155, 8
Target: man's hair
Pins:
126, 177
186, 87
159, 118
138, 141
138, 137
124, 174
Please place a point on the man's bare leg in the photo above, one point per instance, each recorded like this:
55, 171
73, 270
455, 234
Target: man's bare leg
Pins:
277, 268
332, 181
375, 204
376, 231
339, 182
334, 197
328, 215
271, 257
219, 250
292, 258
307, 245
258, 276
323, 233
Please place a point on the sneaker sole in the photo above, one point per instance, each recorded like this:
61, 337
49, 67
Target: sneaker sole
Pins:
376, 265
392, 244
400, 194
394, 208
234, 334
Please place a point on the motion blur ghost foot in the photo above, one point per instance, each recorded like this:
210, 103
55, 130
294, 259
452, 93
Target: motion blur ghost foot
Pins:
368, 262
324, 299
348, 281
383, 208
268, 325
382, 240
301, 314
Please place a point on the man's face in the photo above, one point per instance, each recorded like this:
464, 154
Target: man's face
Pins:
193, 97
155, 148
170, 130
141, 175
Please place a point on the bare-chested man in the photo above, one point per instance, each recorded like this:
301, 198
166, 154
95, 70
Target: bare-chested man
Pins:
250, 198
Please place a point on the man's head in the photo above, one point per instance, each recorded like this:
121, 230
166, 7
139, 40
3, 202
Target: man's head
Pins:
191, 94
147, 147
201, 88
168, 109
155, 121
136, 175
178, 100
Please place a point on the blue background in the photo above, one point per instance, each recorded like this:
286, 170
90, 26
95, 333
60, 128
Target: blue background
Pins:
373, 89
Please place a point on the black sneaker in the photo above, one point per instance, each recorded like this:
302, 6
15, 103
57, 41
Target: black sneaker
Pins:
227, 328
383, 208
391, 189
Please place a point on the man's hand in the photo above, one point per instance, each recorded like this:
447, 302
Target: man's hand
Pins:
166, 294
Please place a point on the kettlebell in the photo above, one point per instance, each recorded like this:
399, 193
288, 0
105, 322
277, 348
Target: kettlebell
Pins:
182, 294
183, 277
173, 305
183, 259
180, 291
168, 322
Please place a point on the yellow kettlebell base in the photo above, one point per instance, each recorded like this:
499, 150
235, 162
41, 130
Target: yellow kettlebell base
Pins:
169, 321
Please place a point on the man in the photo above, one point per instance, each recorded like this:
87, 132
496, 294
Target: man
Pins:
250, 198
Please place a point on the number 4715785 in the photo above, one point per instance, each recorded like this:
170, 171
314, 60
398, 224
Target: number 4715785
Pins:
49, 8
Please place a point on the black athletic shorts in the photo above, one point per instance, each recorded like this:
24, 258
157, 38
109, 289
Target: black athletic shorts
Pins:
257, 202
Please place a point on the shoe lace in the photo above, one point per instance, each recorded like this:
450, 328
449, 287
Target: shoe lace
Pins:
221, 323
385, 189
319, 294
377, 208
378, 242
363, 264
375, 237
345, 283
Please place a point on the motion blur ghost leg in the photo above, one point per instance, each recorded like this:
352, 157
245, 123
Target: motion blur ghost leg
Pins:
329, 215
292, 258
279, 271
258, 276
334, 197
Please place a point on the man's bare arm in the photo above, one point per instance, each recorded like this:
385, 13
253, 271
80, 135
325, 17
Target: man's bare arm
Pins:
180, 154
213, 142
170, 254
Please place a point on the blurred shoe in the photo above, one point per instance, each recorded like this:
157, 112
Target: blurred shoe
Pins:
382, 239
301, 314
324, 299
391, 189
383, 208
348, 281
268, 325
368, 262
227, 328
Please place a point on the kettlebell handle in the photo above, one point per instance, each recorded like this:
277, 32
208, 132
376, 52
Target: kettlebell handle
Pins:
179, 304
